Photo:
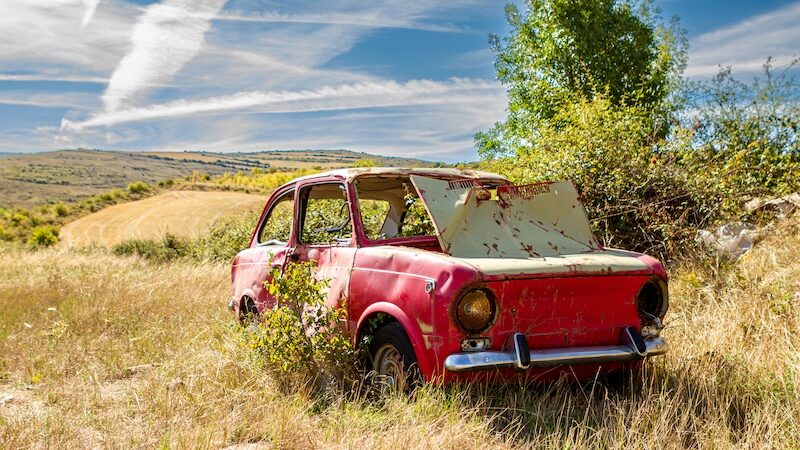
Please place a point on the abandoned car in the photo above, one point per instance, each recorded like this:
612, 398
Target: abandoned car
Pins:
459, 274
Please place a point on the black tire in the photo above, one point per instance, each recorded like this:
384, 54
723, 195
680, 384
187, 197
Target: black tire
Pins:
248, 312
393, 359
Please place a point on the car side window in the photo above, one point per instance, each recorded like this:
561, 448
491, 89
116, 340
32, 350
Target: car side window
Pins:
278, 226
391, 208
325, 215
373, 216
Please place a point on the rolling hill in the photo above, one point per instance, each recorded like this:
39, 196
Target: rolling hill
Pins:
184, 213
34, 179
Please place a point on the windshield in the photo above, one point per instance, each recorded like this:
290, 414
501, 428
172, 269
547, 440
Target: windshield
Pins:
390, 208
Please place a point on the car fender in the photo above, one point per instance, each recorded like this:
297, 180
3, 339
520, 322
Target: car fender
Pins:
412, 330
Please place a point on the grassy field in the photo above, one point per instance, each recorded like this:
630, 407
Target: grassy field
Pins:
69, 175
100, 351
183, 213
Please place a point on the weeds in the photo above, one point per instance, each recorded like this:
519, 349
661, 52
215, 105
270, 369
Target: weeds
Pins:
120, 353
300, 339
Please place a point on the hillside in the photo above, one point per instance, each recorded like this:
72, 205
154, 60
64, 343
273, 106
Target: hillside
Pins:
184, 213
70, 175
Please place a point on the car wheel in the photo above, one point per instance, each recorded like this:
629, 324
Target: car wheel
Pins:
393, 360
248, 313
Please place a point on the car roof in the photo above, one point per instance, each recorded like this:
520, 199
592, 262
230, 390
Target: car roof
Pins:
438, 172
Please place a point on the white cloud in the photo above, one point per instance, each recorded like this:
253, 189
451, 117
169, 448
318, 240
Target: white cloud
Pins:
72, 100
166, 37
253, 75
364, 95
46, 34
91, 7
372, 19
746, 45
44, 76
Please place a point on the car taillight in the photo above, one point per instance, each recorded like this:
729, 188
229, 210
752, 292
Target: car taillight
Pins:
475, 311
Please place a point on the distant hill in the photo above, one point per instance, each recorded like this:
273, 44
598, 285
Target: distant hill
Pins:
68, 175
185, 213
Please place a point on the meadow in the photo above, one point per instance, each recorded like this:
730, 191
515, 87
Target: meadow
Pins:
106, 351
187, 213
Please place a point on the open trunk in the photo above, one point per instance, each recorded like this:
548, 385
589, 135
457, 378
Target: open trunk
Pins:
537, 229
537, 253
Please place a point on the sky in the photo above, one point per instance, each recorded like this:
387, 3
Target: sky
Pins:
393, 77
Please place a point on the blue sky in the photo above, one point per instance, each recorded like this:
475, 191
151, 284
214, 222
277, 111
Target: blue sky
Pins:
394, 77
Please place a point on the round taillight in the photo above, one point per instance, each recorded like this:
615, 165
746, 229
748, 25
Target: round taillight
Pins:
653, 300
475, 311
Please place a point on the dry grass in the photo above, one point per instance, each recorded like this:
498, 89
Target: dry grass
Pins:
140, 355
184, 213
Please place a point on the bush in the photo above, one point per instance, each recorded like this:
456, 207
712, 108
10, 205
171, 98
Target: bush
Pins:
5, 235
43, 236
636, 195
225, 238
746, 134
61, 210
169, 248
138, 187
300, 338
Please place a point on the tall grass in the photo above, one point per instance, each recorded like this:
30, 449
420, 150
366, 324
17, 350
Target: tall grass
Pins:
99, 350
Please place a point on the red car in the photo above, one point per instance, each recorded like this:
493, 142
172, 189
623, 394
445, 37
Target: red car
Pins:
460, 274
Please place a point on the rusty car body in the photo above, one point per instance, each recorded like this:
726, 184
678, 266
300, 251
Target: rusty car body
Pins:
460, 274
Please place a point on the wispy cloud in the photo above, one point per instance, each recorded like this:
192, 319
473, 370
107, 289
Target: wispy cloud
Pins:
72, 100
374, 19
243, 74
91, 7
166, 37
41, 35
746, 45
52, 77
343, 97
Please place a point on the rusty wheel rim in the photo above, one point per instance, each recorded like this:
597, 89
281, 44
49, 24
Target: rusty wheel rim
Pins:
389, 364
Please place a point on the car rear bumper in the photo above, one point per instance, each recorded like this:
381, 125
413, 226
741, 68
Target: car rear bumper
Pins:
634, 347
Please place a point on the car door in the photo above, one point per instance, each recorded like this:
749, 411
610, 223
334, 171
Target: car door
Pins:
268, 249
325, 235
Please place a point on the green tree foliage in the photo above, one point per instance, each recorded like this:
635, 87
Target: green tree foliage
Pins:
595, 96
566, 51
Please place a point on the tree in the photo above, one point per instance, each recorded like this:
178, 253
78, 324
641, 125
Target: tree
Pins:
567, 51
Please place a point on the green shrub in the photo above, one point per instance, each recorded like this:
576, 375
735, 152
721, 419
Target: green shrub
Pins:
636, 195
43, 236
5, 235
61, 210
225, 238
169, 248
746, 134
301, 339
138, 187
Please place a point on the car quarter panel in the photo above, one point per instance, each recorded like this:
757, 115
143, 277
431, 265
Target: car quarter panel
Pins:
418, 282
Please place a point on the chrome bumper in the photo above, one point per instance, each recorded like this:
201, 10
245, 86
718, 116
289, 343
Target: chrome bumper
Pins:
520, 357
